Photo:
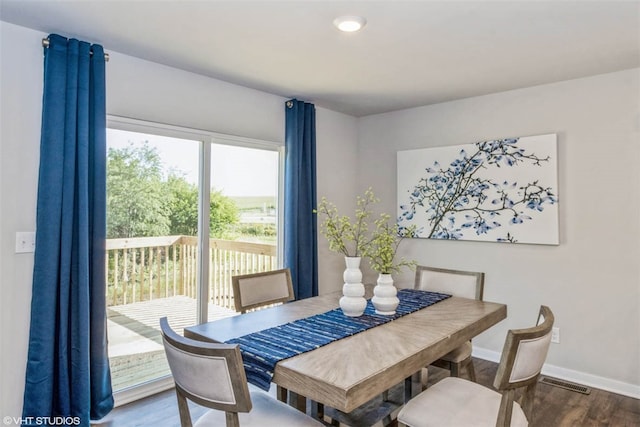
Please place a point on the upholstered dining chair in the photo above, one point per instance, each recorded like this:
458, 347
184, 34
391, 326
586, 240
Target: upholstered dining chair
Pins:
467, 284
458, 402
212, 375
251, 291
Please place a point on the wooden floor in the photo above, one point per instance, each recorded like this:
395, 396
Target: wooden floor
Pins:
554, 406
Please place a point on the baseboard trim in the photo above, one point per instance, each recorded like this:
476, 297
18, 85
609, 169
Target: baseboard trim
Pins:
584, 378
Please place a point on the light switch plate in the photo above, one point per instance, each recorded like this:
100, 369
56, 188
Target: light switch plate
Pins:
25, 242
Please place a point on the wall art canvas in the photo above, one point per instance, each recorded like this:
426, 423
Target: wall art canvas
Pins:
503, 190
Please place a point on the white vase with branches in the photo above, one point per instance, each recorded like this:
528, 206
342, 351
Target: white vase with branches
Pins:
350, 239
381, 251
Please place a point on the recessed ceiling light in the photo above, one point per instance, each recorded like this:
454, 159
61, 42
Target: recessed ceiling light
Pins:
349, 24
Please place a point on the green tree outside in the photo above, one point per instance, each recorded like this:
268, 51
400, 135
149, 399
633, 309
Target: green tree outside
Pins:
142, 203
136, 194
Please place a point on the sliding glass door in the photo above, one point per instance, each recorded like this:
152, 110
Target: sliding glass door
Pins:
185, 213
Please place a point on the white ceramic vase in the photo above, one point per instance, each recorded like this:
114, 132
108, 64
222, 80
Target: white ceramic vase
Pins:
384, 295
353, 302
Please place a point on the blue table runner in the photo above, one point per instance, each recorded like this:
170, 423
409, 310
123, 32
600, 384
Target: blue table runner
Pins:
262, 350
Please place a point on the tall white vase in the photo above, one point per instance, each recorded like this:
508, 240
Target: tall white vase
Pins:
384, 295
353, 302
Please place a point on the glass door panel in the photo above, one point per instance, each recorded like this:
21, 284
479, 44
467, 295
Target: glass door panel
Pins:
248, 178
152, 217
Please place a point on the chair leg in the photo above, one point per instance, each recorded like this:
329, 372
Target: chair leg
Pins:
408, 389
455, 369
423, 379
528, 397
506, 408
232, 419
471, 370
183, 409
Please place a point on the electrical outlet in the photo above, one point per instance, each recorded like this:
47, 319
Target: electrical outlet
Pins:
25, 242
555, 335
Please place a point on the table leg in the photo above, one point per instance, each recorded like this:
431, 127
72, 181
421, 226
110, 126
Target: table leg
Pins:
412, 386
298, 401
281, 394
316, 410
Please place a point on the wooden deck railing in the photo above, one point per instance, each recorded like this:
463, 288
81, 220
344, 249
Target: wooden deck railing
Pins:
146, 268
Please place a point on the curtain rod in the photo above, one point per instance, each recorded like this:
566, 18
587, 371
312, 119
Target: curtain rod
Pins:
45, 43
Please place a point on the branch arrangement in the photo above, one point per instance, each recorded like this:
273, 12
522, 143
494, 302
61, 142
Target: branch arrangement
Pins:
352, 238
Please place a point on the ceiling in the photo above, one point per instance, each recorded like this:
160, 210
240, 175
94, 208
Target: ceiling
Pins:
410, 53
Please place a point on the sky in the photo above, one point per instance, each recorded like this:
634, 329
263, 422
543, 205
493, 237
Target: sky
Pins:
237, 171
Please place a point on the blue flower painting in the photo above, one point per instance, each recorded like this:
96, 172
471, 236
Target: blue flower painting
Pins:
502, 190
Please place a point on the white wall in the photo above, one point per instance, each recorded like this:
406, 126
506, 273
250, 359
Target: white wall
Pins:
137, 89
20, 112
592, 279
337, 162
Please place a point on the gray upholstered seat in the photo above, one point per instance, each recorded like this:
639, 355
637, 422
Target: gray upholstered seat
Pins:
470, 405
266, 411
458, 402
467, 284
212, 375
257, 290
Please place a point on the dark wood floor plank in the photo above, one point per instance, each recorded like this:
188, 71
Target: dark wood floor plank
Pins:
602, 406
626, 405
547, 397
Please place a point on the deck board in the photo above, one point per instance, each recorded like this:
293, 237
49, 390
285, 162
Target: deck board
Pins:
136, 354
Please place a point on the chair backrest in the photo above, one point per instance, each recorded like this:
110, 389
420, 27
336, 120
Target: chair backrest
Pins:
467, 284
524, 353
209, 374
260, 289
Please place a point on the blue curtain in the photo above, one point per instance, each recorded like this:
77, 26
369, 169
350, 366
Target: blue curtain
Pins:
68, 368
300, 225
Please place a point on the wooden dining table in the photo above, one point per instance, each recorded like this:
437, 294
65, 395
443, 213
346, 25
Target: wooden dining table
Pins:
349, 372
